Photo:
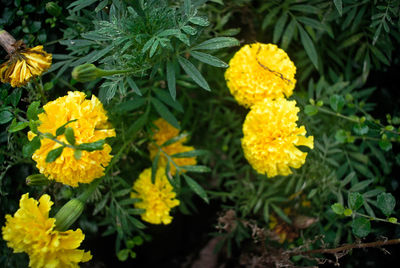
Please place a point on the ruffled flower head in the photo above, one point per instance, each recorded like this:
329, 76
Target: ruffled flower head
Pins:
163, 133
260, 71
31, 230
270, 137
24, 63
90, 126
157, 199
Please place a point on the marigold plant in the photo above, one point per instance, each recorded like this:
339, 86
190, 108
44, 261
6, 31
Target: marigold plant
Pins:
270, 137
88, 120
157, 198
31, 230
258, 71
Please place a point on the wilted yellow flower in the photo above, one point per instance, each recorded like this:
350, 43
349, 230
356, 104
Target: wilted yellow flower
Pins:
157, 199
270, 137
24, 63
91, 126
164, 133
260, 71
31, 230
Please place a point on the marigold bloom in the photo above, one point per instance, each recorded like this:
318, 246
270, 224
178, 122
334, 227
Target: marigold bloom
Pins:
91, 126
24, 63
157, 199
270, 137
164, 133
31, 230
260, 71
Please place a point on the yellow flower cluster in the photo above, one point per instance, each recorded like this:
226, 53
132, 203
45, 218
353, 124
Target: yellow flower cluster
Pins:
31, 230
24, 64
270, 137
91, 125
163, 133
260, 71
157, 199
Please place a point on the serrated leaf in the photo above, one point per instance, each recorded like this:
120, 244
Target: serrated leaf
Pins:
175, 139
386, 203
15, 96
356, 200
167, 99
209, 59
54, 154
308, 46
193, 73
171, 79
189, 30
361, 226
29, 148
129, 105
361, 185
217, 43
136, 223
288, 34
196, 188
163, 111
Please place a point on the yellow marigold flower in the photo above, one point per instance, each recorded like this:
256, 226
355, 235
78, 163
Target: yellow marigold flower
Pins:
24, 63
164, 133
91, 126
157, 199
270, 137
31, 230
260, 71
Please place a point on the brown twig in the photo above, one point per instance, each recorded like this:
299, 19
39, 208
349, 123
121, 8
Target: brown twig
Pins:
7, 41
348, 247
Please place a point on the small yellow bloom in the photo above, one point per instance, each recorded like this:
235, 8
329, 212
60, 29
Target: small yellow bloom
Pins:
157, 199
24, 64
164, 133
91, 126
270, 137
31, 230
260, 71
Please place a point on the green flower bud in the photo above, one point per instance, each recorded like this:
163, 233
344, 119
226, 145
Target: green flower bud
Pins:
68, 214
53, 9
37, 180
86, 72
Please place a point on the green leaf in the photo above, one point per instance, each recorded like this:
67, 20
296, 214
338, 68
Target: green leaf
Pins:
278, 29
14, 127
208, 59
192, 153
360, 129
308, 46
163, 111
167, 99
61, 129
199, 21
217, 43
92, 146
171, 79
136, 223
339, 6
175, 139
196, 188
189, 30
54, 154
198, 168
69, 135
123, 254
310, 110
288, 34
139, 123
191, 70
29, 148
154, 167
133, 85
15, 96
385, 145
281, 214
154, 48
129, 105
336, 102
361, 226
348, 212
356, 200
361, 185
33, 110
341, 136
5, 117
338, 208
386, 203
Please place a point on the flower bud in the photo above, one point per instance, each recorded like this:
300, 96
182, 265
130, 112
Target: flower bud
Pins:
37, 180
68, 214
86, 72
53, 9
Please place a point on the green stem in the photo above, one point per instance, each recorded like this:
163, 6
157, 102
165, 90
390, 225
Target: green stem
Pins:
41, 91
374, 219
337, 114
112, 72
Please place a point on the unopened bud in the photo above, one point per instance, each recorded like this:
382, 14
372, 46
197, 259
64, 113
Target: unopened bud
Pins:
37, 180
68, 214
53, 9
86, 72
